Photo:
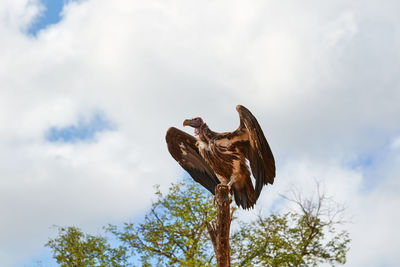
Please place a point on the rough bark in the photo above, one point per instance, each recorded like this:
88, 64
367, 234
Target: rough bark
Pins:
219, 231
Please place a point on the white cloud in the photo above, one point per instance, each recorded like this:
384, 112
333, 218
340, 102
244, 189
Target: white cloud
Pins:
322, 78
396, 143
375, 227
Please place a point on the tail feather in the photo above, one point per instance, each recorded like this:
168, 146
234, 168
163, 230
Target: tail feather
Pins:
244, 194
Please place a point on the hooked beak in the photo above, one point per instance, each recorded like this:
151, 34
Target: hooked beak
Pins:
187, 122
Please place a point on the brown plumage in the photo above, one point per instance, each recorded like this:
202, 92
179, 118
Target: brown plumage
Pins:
212, 158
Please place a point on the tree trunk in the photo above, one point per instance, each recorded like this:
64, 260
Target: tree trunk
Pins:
219, 231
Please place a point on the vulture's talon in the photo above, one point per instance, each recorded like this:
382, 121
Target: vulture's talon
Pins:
230, 185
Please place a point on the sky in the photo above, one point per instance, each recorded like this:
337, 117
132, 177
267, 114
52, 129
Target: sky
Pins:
89, 88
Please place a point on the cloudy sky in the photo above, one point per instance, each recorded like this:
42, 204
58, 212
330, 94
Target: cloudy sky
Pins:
88, 89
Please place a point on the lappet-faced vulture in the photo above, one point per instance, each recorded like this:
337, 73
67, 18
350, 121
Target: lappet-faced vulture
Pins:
212, 158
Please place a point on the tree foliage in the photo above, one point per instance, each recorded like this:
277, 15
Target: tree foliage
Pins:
174, 233
74, 248
305, 237
289, 240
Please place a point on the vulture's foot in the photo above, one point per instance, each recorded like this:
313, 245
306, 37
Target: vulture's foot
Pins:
230, 190
230, 184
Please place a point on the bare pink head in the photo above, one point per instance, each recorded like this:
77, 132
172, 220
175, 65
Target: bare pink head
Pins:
196, 123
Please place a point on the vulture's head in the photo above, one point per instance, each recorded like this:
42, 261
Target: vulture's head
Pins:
195, 122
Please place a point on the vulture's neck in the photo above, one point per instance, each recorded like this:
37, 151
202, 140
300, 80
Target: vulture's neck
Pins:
204, 133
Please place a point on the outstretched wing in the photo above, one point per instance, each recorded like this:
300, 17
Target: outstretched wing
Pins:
259, 153
183, 149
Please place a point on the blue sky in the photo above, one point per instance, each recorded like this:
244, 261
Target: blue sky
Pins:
83, 130
85, 105
51, 15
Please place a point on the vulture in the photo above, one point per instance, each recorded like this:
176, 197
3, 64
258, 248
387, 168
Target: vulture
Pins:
212, 158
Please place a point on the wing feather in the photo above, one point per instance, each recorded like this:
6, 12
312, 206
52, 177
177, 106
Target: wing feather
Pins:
183, 149
259, 154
